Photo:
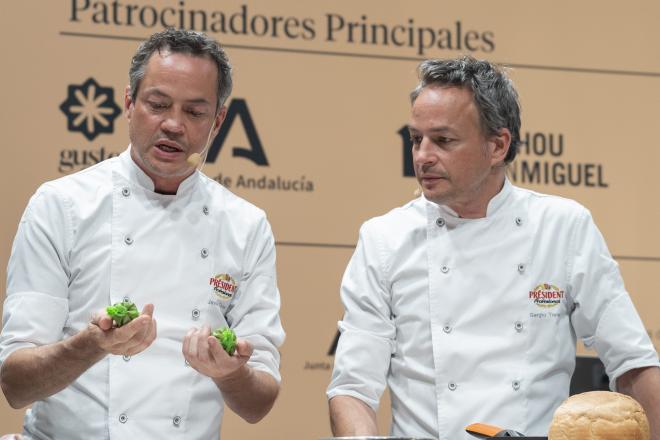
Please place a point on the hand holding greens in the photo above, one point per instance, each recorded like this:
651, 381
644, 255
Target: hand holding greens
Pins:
122, 312
227, 339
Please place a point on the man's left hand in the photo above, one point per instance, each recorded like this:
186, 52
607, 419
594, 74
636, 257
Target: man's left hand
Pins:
205, 353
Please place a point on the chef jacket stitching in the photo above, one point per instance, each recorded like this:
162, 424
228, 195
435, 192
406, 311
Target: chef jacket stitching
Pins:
570, 266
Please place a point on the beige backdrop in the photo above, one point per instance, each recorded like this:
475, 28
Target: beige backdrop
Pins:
327, 108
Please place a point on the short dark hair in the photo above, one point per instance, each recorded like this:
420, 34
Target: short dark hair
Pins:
493, 92
182, 41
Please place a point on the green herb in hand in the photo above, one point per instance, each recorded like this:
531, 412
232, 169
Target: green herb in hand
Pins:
122, 312
227, 339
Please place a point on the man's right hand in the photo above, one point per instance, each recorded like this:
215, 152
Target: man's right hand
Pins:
34, 373
128, 339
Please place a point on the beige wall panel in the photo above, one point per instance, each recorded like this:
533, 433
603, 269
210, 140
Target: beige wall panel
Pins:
308, 279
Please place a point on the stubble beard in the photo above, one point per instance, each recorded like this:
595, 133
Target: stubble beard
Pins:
153, 167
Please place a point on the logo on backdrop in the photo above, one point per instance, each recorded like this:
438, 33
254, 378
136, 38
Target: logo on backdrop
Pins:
545, 170
90, 109
326, 363
540, 162
238, 110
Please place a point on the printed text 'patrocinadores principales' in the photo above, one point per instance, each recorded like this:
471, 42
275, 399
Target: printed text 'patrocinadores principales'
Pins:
421, 37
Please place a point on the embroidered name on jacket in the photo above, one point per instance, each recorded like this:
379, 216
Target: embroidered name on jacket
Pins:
546, 295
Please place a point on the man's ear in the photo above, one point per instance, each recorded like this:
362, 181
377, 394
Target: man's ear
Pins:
128, 103
499, 146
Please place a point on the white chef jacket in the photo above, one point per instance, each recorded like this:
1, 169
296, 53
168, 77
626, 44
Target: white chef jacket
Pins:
475, 320
102, 235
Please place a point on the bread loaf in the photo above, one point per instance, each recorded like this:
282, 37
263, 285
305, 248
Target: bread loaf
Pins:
599, 415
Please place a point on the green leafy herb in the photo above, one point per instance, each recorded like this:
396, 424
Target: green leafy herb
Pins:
227, 339
122, 312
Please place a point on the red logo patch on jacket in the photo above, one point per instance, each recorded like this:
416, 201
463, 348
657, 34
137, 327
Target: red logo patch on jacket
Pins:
546, 295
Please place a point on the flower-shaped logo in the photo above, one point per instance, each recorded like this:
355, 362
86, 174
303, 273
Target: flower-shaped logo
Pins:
90, 109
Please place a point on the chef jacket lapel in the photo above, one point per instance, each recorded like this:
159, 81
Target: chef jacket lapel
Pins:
162, 253
477, 291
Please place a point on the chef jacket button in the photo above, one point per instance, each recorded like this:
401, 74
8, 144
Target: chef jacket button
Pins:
452, 386
176, 421
521, 267
123, 418
440, 222
205, 252
127, 299
205, 210
518, 326
126, 357
125, 191
447, 328
444, 269
128, 240
519, 221
186, 363
195, 313
515, 385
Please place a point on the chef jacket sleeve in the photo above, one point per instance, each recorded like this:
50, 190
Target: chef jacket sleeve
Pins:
604, 315
36, 307
254, 315
366, 343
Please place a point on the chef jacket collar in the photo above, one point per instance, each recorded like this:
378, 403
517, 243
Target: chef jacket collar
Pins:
494, 205
136, 175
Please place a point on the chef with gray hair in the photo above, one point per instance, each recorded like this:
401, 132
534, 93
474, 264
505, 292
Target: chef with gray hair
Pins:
467, 301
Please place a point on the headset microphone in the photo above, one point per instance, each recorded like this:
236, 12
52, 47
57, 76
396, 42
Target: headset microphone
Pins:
196, 159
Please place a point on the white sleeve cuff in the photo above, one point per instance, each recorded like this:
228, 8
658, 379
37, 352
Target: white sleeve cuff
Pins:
621, 340
31, 319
